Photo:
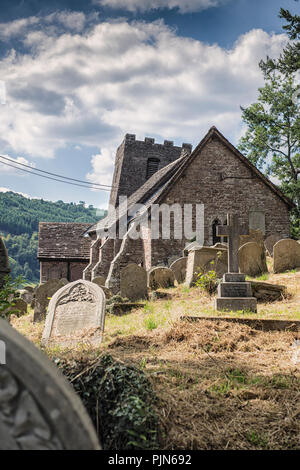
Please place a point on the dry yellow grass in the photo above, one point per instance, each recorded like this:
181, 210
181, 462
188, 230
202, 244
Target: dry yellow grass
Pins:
220, 385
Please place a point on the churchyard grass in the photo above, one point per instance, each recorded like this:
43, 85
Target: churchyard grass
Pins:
220, 385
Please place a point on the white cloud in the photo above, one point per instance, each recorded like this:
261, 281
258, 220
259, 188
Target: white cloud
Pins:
10, 167
17, 27
102, 166
7, 190
88, 89
184, 6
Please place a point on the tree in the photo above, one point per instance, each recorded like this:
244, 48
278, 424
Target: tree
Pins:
289, 60
272, 139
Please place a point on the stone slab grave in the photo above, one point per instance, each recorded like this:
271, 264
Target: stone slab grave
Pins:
133, 282
270, 242
160, 277
43, 293
39, 410
205, 259
286, 255
76, 314
266, 292
4, 263
179, 269
252, 259
234, 293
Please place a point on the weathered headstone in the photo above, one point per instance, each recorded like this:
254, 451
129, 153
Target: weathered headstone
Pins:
39, 410
43, 294
76, 313
133, 282
253, 236
171, 260
179, 269
252, 259
26, 295
286, 254
4, 263
18, 308
234, 293
160, 277
99, 280
270, 242
21, 306
205, 259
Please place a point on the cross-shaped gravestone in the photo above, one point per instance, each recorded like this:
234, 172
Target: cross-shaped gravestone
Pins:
232, 230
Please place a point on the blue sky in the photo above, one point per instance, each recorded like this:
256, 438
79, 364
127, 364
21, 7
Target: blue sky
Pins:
79, 75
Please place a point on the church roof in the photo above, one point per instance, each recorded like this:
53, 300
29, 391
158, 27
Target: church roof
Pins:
152, 188
214, 132
63, 240
158, 186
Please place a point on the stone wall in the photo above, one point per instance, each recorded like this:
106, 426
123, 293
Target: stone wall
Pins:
220, 181
131, 163
94, 259
131, 251
70, 270
106, 255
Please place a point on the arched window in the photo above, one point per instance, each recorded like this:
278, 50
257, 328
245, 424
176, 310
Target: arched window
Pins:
214, 231
152, 167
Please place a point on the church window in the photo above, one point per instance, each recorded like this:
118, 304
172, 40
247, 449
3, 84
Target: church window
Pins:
152, 167
216, 239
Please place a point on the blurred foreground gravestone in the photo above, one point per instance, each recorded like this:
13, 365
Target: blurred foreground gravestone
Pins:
38, 408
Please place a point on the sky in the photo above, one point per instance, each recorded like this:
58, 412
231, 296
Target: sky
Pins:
76, 76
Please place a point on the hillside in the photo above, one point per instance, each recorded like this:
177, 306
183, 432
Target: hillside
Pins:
19, 219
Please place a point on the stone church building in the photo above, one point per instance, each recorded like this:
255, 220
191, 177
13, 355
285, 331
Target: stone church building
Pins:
214, 174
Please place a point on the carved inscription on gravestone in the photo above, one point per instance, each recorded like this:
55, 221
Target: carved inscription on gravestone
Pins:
77, 311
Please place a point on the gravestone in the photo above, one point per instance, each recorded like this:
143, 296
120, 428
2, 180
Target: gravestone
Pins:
42, 297
160, 277
252, 259
39, 410
4, 263
205, 259
99, 280
253, 236
26, 295
179, 269
133, 282
270, 242
286, 254
76, 314
21, 306
234, 293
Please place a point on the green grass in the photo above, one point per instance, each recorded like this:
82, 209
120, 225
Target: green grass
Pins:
258, 440
150, 323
